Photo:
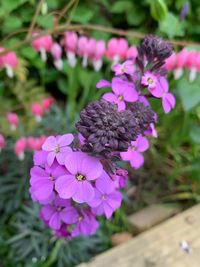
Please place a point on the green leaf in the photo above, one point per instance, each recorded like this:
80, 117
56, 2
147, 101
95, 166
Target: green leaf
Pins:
121, 6
12, 23
195, 134
135, 15
171, 26
189, 92
82, 15
28, 52
158, 9
45, 22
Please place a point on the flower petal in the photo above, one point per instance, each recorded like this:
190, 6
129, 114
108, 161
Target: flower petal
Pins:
66, 186
74, 162
55, 221
50, 143
142, 144
137, 160
43, 189
50, 158
65, 140
69, 215
91, 168
110, 97
84, 192
129, 93
47, 211
103, 83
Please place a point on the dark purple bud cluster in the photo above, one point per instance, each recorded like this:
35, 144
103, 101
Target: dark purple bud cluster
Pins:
108, 130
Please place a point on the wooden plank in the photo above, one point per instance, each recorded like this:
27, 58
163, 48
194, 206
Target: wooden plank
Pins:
158, 247
150, 216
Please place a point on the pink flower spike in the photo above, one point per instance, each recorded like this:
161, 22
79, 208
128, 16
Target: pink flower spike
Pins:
124, 68
20, 147
13, 119
99, 52
170, 62
56, 52
47, 103
2, 142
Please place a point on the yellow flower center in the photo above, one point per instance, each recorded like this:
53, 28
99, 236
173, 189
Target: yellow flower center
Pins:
80, 177
122, 69
149, 80
57, 149
80, 218
133, 148
51, 177
103, 197
120, 97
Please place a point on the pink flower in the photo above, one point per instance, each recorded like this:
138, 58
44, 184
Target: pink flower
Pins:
43, 180
13, 119
37, 111
152, 131
117, 49
151, 81
47, 103
56, 52
181, 60
59, 211
134, 152
168, 100
124, 68
77, 185
9, 62
2, 142
170, 62
83, 50
98, 54
70, 45
58, 148
131, 53
106, 199
43, 44
122, 91
85, 225
20, 147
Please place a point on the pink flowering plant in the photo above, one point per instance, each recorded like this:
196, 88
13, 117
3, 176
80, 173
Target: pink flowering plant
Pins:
76, 177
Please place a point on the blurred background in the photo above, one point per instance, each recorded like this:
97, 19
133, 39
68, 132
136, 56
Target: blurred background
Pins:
171, 173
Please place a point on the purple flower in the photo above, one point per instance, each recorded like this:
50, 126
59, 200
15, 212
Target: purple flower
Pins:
42, 180
152, 131
57, 148
151, 81
168, 100
77, 185
106, 199
122, 91
85, 225
63, 232
124, 68
134, 153
40, 157
59, 211
120, 178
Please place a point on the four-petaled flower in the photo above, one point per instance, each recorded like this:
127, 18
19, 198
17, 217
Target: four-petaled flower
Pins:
123, 90
106, 199
124, 68
59, 211
42, 180
134, 152
151, 81
57, 147
77, 185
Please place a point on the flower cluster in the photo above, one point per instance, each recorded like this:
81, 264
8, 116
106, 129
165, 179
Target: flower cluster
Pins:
77, 177
184, 59
27, 143
87, 48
